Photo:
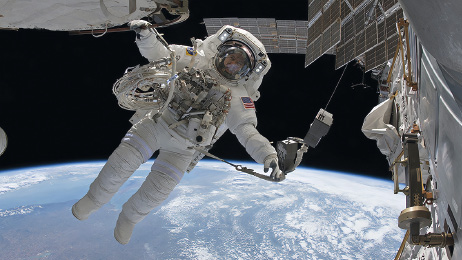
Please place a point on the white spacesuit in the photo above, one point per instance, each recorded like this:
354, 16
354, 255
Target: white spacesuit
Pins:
237, 61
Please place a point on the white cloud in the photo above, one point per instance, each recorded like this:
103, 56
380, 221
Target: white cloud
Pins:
314, 207
12, 182
18, 211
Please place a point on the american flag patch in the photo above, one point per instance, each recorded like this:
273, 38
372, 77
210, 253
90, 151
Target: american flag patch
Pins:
248, 103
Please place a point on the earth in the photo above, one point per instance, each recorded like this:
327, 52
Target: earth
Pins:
214, 213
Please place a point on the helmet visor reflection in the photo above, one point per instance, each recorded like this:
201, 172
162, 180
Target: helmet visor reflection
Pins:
233, 62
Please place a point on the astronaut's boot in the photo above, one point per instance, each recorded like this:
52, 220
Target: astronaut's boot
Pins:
84, 207
124, 229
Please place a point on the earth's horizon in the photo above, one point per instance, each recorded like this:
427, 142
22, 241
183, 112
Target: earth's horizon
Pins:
214, 213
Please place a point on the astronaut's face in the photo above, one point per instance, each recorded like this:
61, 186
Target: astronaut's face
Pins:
234, 63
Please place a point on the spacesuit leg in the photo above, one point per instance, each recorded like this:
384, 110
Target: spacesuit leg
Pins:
166, 173
123, 162
119, 167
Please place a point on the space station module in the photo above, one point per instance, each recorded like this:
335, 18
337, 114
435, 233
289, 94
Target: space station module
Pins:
3, 141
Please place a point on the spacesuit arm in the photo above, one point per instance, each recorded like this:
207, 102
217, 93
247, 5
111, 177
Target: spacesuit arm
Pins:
242, 122
154, 48
256, 145
151, 45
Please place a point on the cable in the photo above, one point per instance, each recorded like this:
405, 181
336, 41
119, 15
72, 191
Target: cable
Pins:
336, 87
403, 244
100, 35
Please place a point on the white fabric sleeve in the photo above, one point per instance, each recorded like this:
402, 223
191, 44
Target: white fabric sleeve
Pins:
242, 123
153, 49
256, 145
150, 47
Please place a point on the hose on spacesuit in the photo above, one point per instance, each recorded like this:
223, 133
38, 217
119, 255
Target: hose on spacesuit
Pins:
170, 82
173, 74
193, 57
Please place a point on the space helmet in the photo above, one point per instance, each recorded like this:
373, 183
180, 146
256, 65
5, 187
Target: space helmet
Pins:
234, 60
239, 55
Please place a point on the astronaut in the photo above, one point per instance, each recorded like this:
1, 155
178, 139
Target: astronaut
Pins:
237, 61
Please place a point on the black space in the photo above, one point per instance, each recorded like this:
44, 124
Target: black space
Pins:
56, 101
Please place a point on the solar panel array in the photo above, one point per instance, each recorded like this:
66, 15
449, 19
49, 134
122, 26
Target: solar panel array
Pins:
370, 32
387, 42
314, 7
278, 36
324, 27
348, 28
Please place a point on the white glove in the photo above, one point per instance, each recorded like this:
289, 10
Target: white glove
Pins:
138, 25
271, 161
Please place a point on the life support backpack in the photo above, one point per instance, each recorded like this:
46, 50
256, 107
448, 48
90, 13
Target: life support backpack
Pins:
198, 100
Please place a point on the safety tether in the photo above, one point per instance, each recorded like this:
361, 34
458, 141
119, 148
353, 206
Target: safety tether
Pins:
335, 89
238, 167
